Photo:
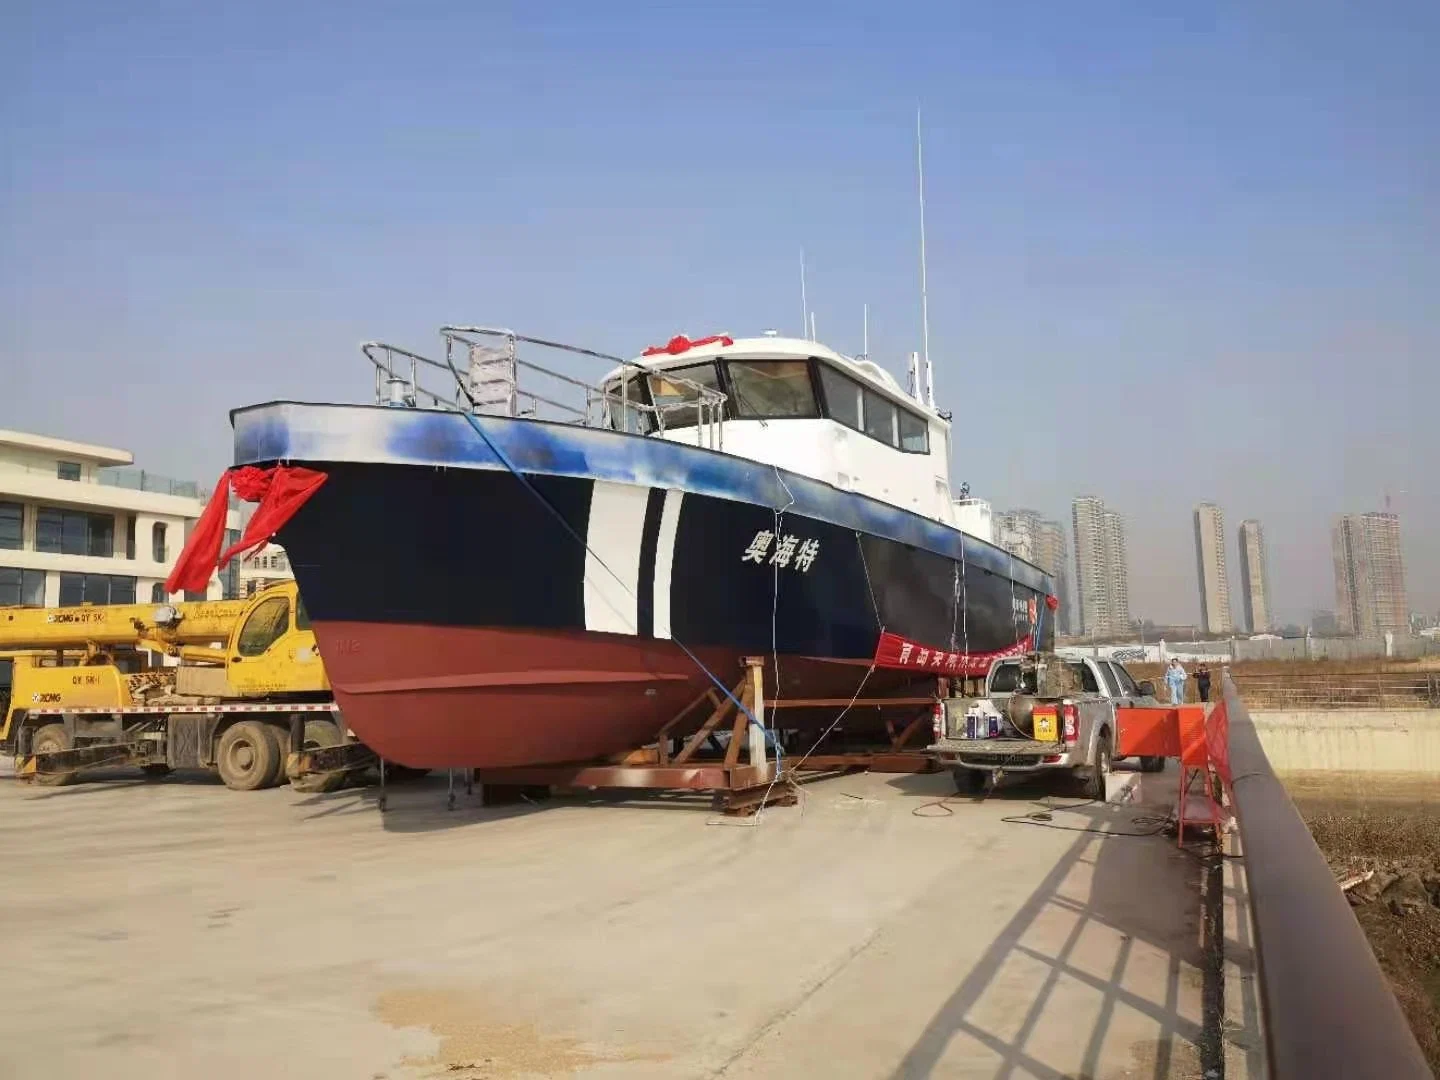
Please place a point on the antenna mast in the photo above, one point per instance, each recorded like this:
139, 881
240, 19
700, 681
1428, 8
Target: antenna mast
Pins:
865, 319
924, 289
804, 303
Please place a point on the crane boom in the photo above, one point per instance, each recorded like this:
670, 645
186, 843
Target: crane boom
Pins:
197, 622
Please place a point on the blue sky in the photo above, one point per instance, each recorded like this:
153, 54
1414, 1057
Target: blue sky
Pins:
1174, 255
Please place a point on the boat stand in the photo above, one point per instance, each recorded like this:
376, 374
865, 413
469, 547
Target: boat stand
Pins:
700, 763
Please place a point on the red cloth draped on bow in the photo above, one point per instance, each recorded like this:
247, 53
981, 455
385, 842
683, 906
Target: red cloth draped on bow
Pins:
280, 491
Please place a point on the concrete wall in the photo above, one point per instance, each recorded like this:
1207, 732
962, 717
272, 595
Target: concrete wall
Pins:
1351, 740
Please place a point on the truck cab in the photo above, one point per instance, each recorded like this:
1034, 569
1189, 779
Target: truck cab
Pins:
1039, 713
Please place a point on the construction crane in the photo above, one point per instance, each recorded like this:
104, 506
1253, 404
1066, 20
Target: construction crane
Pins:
247, 686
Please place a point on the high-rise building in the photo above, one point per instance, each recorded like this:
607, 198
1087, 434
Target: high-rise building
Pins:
1254, 577
1030, 535
1102, 578
1369, 574
1015, 532
1210, 568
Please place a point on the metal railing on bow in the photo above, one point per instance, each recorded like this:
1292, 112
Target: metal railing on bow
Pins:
486, 373
1326, 1007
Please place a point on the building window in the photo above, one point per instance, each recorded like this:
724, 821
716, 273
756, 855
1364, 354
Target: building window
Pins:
77, 589
72, 532
230, 576
157, 541
21, 587
67, 470
130, 536
12, 525
157, 593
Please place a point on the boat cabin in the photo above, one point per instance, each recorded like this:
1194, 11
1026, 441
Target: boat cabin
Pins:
795, 404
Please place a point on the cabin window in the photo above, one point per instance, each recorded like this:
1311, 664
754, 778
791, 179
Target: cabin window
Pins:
629, 418
264, 627
914, 433
675, 400
880, 417
770, 388
842, 396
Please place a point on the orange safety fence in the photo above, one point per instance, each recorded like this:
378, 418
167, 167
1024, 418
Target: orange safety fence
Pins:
1198, 736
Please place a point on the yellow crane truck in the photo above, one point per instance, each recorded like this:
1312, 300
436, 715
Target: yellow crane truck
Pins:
245, 686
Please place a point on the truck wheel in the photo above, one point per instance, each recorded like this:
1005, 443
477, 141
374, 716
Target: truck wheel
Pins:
318, 735
1152, 764
248, 756
48, 739
1100, 768
970, 781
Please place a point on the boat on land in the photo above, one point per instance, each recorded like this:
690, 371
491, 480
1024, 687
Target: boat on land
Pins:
505, 573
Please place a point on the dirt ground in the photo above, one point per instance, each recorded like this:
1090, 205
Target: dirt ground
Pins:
1392, 829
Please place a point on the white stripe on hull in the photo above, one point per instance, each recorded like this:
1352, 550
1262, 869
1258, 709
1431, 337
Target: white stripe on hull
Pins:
665, 560
617, 525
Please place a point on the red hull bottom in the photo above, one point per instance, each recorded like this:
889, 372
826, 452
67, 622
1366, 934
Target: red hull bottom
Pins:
463, 697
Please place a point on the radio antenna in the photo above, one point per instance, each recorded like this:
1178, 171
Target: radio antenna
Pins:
865, 338
804, 303
924, 287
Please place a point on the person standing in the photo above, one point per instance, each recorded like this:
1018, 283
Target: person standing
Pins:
1175, 679
1202, 681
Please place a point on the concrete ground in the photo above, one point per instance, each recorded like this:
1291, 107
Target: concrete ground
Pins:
178, 929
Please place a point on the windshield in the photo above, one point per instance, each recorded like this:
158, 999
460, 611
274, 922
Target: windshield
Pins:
765, 388
672, 396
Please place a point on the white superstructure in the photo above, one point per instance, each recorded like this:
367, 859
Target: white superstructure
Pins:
77, 527
801, 406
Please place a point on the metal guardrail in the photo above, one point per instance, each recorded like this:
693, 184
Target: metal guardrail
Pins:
1326, 1007
1323, 690
485, 371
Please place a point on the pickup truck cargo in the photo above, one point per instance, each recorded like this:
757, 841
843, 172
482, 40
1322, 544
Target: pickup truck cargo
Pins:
1040, 713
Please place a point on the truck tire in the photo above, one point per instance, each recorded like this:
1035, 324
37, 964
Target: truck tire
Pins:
248, 757
50, 738
1152, 764
318, 735
1100, 768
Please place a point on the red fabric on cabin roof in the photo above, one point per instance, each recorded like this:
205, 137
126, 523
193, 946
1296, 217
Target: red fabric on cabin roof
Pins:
281, 491
680, 343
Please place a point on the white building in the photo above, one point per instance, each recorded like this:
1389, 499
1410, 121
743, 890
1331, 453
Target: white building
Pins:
75, 529
267, 566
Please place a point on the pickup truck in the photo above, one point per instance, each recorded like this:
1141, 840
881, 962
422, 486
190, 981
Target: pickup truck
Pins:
1040, 713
